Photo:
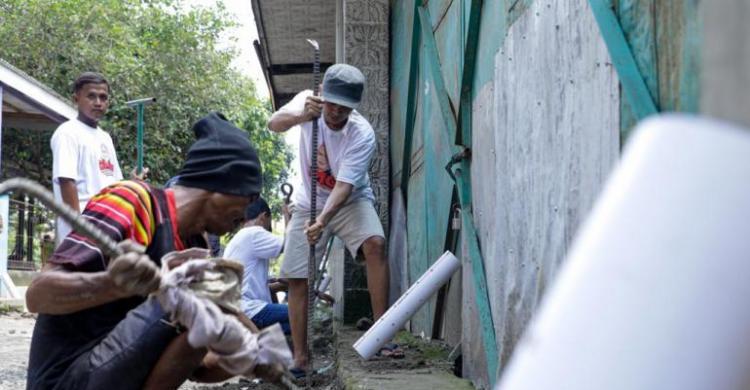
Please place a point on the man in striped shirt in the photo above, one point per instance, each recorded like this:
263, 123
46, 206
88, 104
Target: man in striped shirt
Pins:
96, 329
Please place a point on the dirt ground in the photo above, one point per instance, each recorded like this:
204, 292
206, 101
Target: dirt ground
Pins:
15, 339
425, 365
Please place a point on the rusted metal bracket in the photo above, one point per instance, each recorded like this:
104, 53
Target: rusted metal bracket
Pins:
464, 154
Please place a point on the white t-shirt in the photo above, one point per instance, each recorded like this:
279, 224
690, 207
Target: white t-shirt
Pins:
254, 247
349, 152
86, 155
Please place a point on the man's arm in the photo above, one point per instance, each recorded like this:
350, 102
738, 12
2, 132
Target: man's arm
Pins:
69, 192
58, 291
285, 119
336, 200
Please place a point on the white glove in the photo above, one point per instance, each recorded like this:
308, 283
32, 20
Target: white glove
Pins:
133, 272
239, 350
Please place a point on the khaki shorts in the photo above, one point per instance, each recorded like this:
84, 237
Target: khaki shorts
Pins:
353, 224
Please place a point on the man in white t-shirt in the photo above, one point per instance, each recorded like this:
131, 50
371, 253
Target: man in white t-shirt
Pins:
344, 197
254, 246
83, 156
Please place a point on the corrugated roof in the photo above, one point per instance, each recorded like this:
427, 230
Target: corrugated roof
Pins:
283, 51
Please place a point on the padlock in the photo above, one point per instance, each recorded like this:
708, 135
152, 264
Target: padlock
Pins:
456, 220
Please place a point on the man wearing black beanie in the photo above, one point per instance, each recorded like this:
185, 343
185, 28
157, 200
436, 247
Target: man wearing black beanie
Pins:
222, 159
95, 321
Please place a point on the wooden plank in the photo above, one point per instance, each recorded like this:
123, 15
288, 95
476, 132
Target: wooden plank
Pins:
554, 121
487, 223
467, 73
678, 48
401, 26
691, 57
438, 11
449, 40
433, 60
491, 37
470, 239
516, 8
638, 21
411, 105
417, 244
471, 243
631, 80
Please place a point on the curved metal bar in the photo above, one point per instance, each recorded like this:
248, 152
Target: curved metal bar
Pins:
79, 224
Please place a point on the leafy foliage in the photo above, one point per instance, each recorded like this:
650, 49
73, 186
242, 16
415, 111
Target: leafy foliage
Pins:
145, 48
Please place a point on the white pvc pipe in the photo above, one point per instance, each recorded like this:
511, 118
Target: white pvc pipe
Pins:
654, 292
394, 319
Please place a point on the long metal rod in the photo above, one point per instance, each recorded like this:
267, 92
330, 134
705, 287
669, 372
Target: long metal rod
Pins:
139, 105
139, 164
79, 224
311, 269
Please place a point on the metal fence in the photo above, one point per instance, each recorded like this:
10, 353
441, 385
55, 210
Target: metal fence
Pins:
30, 234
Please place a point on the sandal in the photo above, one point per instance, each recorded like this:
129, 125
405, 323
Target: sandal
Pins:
298, 373
391, 350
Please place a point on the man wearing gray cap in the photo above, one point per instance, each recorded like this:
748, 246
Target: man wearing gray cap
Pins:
346, 146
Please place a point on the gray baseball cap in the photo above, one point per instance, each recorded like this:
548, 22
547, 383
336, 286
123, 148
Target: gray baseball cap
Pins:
343, 85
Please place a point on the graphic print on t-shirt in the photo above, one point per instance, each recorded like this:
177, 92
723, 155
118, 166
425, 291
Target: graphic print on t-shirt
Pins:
105, 161
325, 176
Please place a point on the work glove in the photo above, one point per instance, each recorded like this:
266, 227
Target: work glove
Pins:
174, 259
133, 272
239, 351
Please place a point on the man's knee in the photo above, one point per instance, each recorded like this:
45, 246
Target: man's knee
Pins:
374, 247
374, 244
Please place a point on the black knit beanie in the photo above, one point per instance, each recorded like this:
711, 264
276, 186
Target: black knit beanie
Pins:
222, 159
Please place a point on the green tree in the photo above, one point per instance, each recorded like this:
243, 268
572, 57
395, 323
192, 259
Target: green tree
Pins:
145, 48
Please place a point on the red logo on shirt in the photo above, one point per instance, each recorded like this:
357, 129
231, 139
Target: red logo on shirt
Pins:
105, 163
324, 175
106, 167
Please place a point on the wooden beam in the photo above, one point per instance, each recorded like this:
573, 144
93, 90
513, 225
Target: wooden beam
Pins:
300, 68
27, 121
467, 75
631, 80
462, 175
411, 105
436, 75
638, 22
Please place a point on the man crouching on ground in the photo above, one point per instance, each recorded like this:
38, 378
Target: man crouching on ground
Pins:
96, 329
